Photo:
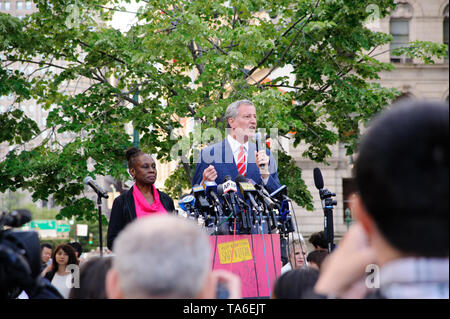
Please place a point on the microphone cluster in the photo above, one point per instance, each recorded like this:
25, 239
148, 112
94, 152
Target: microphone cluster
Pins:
240, 206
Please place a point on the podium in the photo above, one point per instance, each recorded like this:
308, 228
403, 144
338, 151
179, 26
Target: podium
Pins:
256, 259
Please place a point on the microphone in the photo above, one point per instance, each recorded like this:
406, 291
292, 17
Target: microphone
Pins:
247, 190
264, 195
258, 142
17, 218
186, 202
228, 185
318, 180
280, 193
211, 193
270, 204
229, 192
90, 181
201, 201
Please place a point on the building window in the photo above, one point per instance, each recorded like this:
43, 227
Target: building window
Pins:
28, 5
446, 26
7, 6
19, 5
399, 29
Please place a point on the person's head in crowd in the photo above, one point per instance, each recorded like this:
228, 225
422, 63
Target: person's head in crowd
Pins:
240, 117
63, 255
316, 257
46, 252
401, 174
141, 166
92, 279
159, 256
297, 253
78, 248
295, 284
318, 241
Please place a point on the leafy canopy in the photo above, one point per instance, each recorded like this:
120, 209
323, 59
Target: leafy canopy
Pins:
181, 59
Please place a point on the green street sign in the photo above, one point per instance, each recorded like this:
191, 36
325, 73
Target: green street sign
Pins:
43, 224
63, 228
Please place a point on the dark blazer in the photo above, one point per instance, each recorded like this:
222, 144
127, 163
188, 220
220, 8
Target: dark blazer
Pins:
124, 212
221, 157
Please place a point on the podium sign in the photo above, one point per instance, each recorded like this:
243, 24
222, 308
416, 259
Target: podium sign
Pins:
256, 262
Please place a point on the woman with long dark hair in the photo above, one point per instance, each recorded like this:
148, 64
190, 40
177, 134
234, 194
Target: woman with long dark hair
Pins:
58, 274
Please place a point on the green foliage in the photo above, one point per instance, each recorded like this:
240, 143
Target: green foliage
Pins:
326, 42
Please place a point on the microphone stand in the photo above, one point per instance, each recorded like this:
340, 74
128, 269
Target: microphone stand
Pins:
99, 203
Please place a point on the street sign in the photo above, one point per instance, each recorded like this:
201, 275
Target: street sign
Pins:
43, 224
82, 229
63, 228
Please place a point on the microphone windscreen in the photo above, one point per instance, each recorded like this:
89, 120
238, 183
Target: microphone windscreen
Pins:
220, 189
240, 179
318, 180
25, 215
88, 179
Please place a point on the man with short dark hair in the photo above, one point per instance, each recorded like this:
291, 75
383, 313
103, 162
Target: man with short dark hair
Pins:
401, 209
318, 241
46, 254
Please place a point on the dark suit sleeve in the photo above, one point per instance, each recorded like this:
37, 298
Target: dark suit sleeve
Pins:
199, 168
116, 221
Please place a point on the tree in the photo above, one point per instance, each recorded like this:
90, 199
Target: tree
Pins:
184, 58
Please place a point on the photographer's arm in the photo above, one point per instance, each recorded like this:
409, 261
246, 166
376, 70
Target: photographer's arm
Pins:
343, 271
230, 281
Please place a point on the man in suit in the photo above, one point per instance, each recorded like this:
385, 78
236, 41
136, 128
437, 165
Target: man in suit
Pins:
236, 155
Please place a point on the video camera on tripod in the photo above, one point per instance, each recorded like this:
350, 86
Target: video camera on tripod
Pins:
20, 259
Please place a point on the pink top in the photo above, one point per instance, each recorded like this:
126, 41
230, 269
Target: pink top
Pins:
143, 208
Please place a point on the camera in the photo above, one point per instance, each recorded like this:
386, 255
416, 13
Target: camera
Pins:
20, 259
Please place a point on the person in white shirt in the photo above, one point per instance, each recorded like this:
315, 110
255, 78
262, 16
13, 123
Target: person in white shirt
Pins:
59, 274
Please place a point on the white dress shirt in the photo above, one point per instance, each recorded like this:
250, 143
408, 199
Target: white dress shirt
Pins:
236, 148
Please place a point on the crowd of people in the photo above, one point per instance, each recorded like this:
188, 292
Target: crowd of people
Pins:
400, 232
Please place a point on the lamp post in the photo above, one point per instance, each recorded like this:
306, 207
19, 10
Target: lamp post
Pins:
347, 217
135, 131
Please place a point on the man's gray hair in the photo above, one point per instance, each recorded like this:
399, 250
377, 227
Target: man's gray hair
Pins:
162, 256
233, 108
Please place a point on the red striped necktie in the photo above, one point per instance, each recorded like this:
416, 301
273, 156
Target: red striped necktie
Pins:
242, 162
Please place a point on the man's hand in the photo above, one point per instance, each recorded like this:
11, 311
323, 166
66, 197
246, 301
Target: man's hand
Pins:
46, 270
230, 281
209, 174
262, 158
343, 271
